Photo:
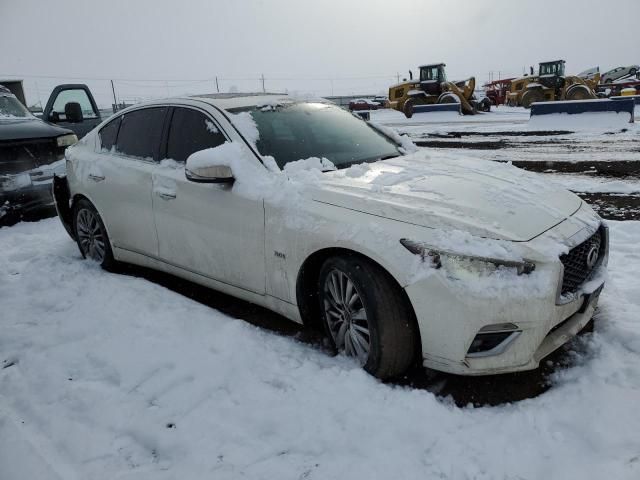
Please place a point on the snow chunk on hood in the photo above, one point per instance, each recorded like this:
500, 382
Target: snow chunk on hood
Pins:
308, 170
311, 163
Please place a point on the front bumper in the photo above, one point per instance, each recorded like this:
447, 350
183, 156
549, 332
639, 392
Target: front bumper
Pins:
451, 314
32, 195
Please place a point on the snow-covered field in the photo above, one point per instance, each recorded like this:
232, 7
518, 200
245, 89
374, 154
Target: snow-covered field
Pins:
107, 376
111, 376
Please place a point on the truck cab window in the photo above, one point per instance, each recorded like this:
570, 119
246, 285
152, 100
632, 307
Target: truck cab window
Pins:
72, 96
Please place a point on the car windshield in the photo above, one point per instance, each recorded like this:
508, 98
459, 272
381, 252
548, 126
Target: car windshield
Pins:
10, 107
296, 131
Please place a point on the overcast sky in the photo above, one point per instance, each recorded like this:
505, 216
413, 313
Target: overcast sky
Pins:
158, 47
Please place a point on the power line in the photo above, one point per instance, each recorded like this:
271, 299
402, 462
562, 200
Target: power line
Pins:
198, 80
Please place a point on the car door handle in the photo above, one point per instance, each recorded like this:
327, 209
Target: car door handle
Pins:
166, 196
96, 178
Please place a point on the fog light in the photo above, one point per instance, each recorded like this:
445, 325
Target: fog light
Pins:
493, 339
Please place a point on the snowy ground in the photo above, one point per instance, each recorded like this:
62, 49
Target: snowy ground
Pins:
114, 376
110, 376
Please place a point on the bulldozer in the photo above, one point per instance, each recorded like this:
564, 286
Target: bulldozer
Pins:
551, 84
432, 88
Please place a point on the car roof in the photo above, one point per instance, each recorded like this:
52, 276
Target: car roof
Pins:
227, 101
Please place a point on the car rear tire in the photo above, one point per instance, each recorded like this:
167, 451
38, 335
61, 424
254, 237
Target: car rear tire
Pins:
91, 235
366, 316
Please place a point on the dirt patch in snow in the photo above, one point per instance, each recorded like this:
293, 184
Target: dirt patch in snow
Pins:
613, 206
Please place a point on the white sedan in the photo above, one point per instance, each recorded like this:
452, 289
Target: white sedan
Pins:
466, 266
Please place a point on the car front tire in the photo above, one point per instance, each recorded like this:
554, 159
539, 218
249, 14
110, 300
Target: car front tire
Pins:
91, 235
366, 316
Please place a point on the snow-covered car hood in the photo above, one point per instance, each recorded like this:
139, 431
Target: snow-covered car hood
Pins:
487, 199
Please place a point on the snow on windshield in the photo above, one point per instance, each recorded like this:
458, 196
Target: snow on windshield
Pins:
290, 131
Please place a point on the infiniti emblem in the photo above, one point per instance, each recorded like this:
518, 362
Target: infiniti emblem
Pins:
592, 256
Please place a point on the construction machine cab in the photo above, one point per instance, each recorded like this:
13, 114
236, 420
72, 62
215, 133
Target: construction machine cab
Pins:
433, 72
551, 75
432, 77
555, 68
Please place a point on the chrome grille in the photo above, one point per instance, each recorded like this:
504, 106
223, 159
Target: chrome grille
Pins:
576, 262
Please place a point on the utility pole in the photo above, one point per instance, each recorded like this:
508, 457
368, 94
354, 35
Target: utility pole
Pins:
217, 86
262, 78
398, 77
115, 102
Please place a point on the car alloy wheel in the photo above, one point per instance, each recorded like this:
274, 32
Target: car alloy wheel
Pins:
346, 316
90, 235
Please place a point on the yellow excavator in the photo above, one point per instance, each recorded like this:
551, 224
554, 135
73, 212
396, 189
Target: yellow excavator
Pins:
432, 88
551, 84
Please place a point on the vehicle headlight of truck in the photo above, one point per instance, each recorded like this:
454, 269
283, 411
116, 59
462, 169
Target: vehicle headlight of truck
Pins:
475, 264
67, 140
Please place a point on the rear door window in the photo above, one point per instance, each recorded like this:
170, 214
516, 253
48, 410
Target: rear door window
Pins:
191, 131
141, 132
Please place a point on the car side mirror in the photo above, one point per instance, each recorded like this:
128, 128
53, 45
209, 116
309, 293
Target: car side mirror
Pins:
209, 174
73, 112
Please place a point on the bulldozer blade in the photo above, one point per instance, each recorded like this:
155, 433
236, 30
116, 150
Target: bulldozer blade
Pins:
437, 107
635, 98
620, 111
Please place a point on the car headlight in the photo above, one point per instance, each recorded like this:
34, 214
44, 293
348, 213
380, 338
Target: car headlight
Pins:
473, 263
67, 140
